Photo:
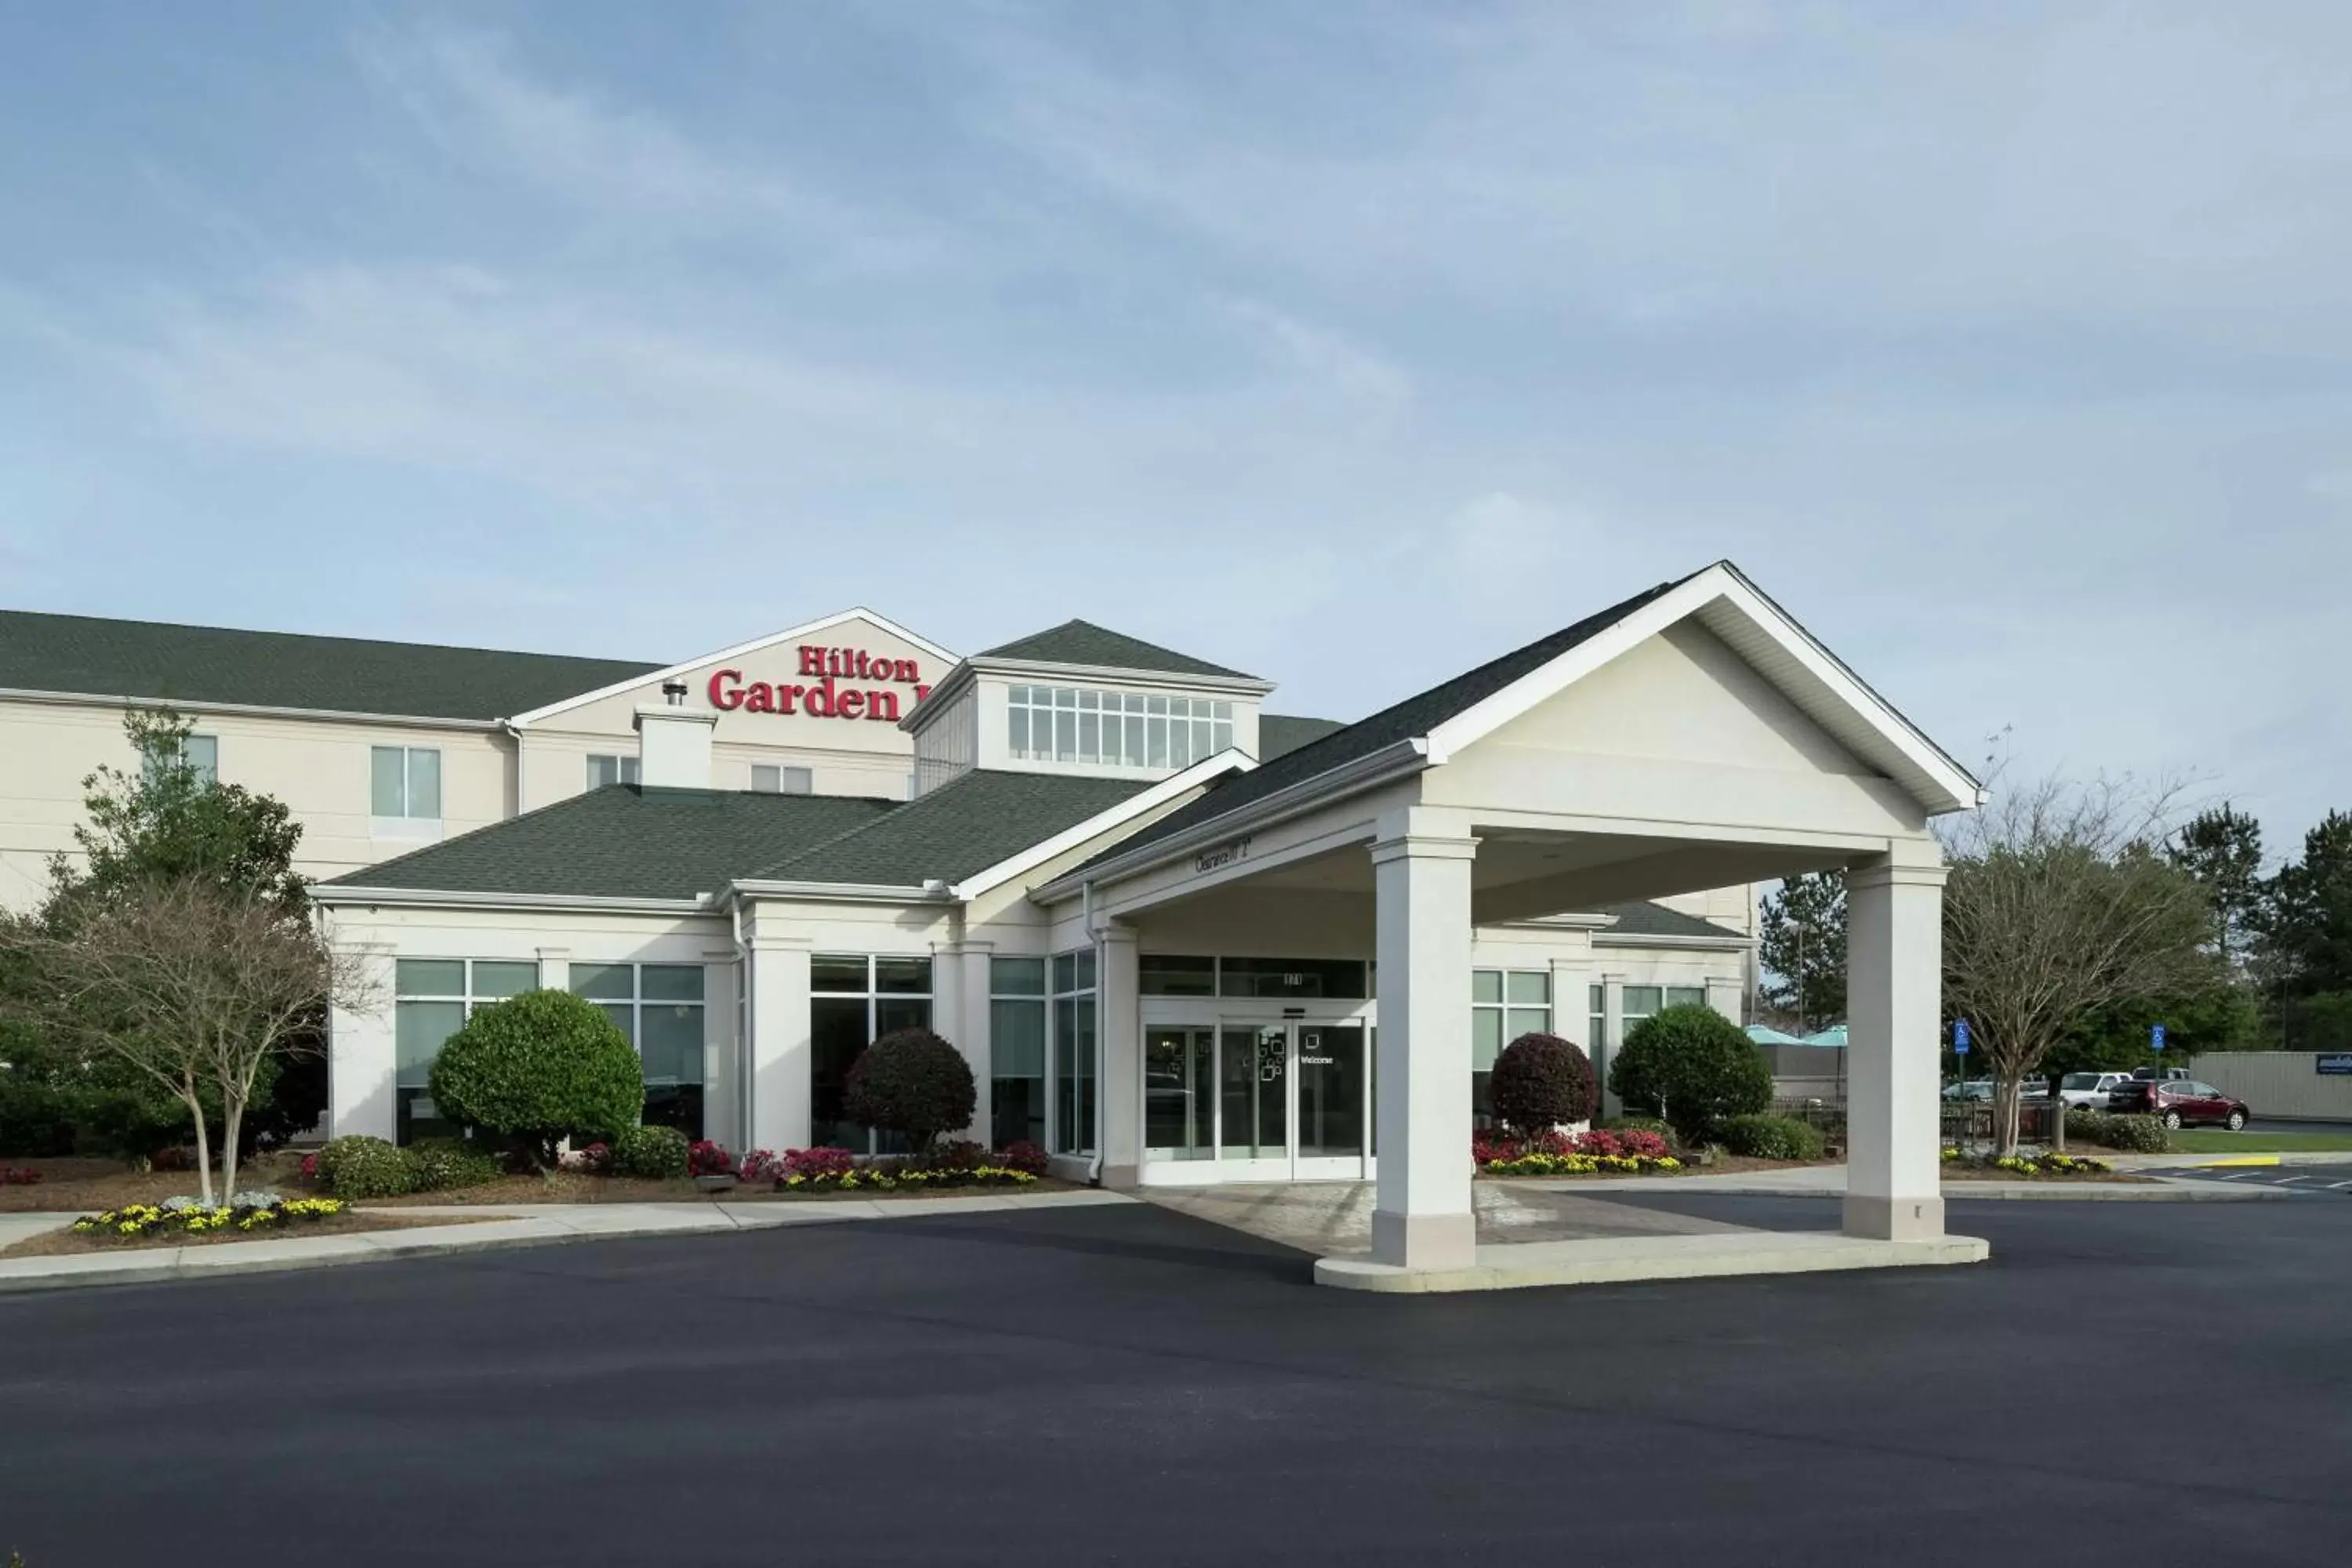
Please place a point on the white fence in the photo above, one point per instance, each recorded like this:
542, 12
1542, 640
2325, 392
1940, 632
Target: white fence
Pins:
2281, 1085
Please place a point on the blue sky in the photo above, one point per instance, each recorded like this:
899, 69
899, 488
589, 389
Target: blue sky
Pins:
2006, 346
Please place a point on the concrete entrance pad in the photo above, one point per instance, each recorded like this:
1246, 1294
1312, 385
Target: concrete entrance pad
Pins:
1617, 1259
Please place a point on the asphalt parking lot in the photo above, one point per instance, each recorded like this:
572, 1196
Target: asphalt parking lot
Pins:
1132, 1385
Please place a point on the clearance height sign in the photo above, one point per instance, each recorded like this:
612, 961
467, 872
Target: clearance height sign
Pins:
825, 692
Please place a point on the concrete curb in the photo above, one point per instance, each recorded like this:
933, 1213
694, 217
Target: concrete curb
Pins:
544, 1224
1619, 1261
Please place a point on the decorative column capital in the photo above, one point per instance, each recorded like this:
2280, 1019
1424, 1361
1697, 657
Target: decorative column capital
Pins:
1423, 847
1887, 874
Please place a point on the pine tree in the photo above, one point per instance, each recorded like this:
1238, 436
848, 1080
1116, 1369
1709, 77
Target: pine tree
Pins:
1804, 948
2222, 850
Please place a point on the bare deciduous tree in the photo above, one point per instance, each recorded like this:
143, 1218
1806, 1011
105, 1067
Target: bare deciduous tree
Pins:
2060, 901
193, 985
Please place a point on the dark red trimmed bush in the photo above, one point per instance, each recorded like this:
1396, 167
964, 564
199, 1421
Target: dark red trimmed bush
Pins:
1025, 1157
911, 1082
1540, 1082
818, 1162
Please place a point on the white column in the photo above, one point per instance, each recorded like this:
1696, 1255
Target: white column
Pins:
722, 1078
555, 969
1894, 947
1421, 1216
1613, 1025
780, 1061
1119, 1015
977, 1039
363, 1054
1724, 993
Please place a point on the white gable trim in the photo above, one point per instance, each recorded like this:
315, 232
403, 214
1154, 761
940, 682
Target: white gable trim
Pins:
1824, 689
1231, 760
856, 613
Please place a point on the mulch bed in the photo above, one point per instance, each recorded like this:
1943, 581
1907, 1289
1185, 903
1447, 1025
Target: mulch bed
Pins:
66, 1243
1956, 1172
87, 1186
571, 1187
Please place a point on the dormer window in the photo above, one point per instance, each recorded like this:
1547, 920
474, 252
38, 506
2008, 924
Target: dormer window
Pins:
1094, 727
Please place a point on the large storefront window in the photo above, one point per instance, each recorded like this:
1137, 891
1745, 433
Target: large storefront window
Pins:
1075, 724
1016, 1051
1073, 1052
659, 1006
1504, 1005
432, 998
855, 999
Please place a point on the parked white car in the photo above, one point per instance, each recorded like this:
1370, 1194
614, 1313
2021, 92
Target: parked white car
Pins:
2089, 1088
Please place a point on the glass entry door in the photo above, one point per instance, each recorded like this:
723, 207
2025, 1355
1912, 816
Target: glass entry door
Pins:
1254, 1102
1333, 1101
1244, 1101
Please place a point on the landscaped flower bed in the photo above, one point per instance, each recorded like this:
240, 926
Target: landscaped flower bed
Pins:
839, 1171
1595, 1153
251, 1213
2027, 1166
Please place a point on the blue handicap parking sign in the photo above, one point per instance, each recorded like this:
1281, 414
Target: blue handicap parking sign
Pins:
1959, 1036
2156, 1036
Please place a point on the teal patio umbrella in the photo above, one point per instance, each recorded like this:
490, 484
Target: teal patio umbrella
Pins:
1832, 1035
1765, 1035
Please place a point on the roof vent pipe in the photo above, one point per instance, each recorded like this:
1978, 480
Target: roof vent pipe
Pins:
673, 693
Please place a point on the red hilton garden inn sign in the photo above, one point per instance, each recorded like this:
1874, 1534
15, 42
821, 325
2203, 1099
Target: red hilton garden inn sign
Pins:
826, 699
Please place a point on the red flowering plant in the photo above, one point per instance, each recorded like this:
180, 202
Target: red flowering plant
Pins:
596, 1159
760, 1165
818, 1165
709, 1159
1025, 1157
1557, 1154
23, 1176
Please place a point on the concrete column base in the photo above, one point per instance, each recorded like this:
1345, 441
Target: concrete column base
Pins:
1425, 1241
1893, 1219
1122, 1178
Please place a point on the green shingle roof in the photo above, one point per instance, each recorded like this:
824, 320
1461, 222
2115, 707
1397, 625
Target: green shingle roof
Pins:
624, 841
967, 826
1083, 642
631, 842
1656, 920
1281, 733
1415, 716
164, 663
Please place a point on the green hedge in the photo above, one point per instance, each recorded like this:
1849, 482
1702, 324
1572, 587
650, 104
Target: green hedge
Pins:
1773, 1137
1693, 1067
362, 1167
650, 1153
539, 1067
2133, 1134
440, 1162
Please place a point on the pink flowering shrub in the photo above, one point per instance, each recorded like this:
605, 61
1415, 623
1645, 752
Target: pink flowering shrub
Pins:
815, 1163
709, 1159
1023, 1156
760, 1165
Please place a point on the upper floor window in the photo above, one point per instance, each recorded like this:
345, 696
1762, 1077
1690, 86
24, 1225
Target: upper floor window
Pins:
1121, 729
605, 769
405, 781
200, 753
770, 779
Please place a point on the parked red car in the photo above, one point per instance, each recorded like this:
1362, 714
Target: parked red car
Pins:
2178, 1102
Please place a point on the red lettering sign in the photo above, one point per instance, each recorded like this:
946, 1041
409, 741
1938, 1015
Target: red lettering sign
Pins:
729, 692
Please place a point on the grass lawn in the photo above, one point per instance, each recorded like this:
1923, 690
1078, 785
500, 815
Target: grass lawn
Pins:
2215, 1140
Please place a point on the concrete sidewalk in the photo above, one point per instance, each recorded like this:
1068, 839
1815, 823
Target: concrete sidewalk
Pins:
515, 1225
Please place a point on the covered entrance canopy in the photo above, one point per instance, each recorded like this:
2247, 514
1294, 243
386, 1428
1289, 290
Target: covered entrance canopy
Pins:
1691, 738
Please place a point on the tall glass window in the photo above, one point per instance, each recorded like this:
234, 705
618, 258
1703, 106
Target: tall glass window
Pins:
659, 1006
855, 999
432, 998
1115, 729
1016, 1051
1504, 1005
405, 781
1073, 1052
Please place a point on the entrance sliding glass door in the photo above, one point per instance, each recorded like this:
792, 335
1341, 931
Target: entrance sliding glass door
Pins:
1179, 1094
1333, 1101
1254, 1102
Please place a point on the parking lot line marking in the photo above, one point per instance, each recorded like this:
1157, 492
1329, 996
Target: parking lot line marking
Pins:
2339, 1186
2290, 1181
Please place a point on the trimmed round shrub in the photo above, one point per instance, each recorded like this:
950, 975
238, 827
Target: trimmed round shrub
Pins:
363, 1167
650, 1153
1773, 1137
1694, 1067
441, 1162
539, 1067
2133, 1134
911, 1081
1540, 1082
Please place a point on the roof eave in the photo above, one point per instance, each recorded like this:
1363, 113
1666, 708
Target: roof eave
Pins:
1231, 760
332, 895
837, 893
1394, 761
195, 705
